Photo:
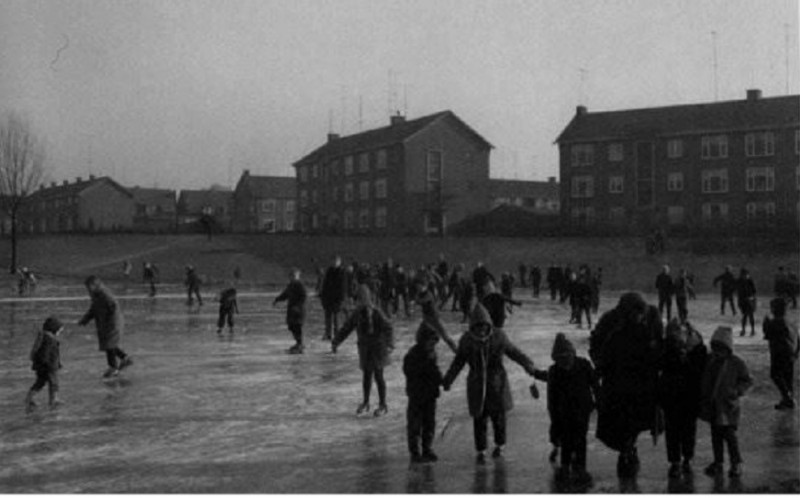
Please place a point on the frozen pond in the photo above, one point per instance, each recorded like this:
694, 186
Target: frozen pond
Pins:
203, 414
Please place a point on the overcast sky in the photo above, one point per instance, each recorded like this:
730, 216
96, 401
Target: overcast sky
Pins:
189, 93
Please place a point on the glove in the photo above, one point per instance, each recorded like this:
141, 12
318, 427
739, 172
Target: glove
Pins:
534, 391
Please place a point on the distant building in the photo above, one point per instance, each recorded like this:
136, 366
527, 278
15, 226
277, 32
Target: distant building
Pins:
155, 210
411, 177
195, 206
265, 204
534, 196
93, 205
698, 166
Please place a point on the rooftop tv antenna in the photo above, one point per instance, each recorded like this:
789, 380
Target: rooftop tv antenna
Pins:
715, 65
581, 87
786, 51
360, 113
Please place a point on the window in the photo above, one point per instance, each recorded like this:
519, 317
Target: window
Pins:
582, 154
289, 207
797, 141
288, 225
315, 171
363, 218
433, 222
582, 187
760, 210
348, 192
334, 167
616, 215
380, 217
675, 148
675, 182
348, 220
615, 184
759, 144
715, 181
348, 165
714, 147
715, 211
434, 166
380, 188
363, 191
675, 215
363, 162
302, 172
582, 215
303, 198
615, 153
314, 221
760, 179
380, 159
314, 197
268, 206
268, 225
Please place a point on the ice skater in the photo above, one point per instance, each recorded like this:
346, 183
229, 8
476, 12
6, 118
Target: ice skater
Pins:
228, 306
784, 349
150, 277
746, 299
108, 320
46, 359
423, 379
375, 343
295, 296
430, 313
192, 286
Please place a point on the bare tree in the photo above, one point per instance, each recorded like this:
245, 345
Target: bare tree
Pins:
21, 167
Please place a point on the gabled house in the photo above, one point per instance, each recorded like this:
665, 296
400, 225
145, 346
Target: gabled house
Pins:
195, 207
264, 204
155, 210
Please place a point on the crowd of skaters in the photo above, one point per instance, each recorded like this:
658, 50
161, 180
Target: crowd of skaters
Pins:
645, 371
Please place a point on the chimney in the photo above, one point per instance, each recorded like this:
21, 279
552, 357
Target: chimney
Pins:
53, 184
65, 182
753, 95
91, 177
551, 179
332, 137
580, 110
246, 172
397, 119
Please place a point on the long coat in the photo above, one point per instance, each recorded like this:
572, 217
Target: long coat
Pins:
295, 296
107, 317
725, 380
681, 374
334, 288
375, 337
570, 397
487, 383
423, 376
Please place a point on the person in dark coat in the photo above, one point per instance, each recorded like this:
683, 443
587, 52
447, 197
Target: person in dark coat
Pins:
466, 297
596, 281
523, 275
497, 304
725, 380
564, 286
666, 289
192, 286
581, 298
150, 276
554, 279
507, 285
784, 348
107, 316
480, 276
682, 288
228, 306
483, 347
746, 299
423, 379
571, 392
453, 287
684, 360
727, 288
536, 280
333, 295
46, 362
443, 272
375, 343
295, 296
401, 290
625, 347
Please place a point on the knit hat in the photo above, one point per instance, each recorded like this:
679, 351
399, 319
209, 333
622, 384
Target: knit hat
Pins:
52, 324
778, 306
479, 315
562, 346
723, 336
630, 302
426, 332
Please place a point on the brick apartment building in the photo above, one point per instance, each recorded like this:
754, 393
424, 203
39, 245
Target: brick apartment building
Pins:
264, 204
155, 210
411, 177
534, 196
93, 205
720, 165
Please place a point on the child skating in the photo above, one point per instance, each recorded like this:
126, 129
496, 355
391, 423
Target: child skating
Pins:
423, 379
46, 362
107, 316
228, 306
295, 296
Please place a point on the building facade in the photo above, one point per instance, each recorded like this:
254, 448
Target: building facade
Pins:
93, 205
537, 197
264, 204
155, 210
713, 166
196, 207
411, 177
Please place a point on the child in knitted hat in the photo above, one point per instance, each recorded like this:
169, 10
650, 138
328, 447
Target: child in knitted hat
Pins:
571, 391
46, 358
725, 380
423, 379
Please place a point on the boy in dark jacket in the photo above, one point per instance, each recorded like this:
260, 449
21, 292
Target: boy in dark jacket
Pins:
784, 348
683, 362
423, 379
746, 299
295, 296
727, 288
227, 307
665, 288
571, 391
192, 286
46, 358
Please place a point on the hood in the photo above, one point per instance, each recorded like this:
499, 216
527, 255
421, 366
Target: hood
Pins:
426, 332
723, 336
562, 346
479, 315
631, 302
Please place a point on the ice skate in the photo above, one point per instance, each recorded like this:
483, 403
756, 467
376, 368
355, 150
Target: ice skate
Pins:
498, 452
382, 410
714, 469
125, 363
735, 470
362, 408
111, 372
429, 456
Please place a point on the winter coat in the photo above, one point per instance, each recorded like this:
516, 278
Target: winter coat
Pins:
782, 337
725, 380
626, 356
682, 288
487, 383
570, 396
580, 293
107, 317
423, 376
227, 301
682, 369
192, 279
727, 283
46, 353
746, 294
495, 304
375, 337
295, 296
664, 285
334, 288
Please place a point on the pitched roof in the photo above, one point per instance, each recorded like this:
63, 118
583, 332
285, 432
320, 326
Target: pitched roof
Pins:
76, 187
523, 188
154, 197
193, 201
278, 187
388, 135
745, 114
